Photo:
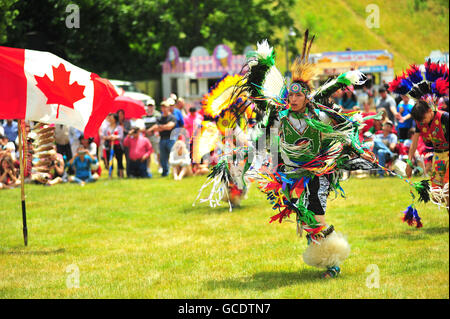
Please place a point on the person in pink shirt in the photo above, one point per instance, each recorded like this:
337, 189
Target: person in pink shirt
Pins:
140, 150
192, 121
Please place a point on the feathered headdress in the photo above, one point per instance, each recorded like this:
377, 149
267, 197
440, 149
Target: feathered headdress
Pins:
302, 70
262, 81
434, 83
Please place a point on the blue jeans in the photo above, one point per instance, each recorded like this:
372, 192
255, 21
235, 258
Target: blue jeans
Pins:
165, 146
382, 152
138, 169
86, 180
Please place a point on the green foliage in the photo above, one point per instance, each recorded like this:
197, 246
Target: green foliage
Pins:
7, 16
128, 39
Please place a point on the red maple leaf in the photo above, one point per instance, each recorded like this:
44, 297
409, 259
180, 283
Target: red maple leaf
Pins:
59, 91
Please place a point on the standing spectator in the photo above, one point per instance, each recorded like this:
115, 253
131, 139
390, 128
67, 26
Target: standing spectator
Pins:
11, 129
2, 131
140, 152
405, 121
165, 125
176, 112
387, 104
384, 145
181, 106
82, 163
362, 97
62, 141
74, 138
192, 121
126, 127
180, 161
151, 119
113, 135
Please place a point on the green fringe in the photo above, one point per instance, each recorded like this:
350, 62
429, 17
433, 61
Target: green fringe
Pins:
320, 126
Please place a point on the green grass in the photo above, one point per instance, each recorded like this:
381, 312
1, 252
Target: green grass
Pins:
143, 239
409, 29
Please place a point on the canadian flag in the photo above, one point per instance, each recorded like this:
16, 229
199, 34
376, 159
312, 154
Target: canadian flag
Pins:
40, 86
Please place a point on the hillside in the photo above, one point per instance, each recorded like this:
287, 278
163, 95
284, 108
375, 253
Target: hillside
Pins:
409, 29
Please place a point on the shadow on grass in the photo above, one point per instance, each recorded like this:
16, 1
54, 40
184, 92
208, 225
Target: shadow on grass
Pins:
436, 230
34, 252
413, 234
267, 280
204, 208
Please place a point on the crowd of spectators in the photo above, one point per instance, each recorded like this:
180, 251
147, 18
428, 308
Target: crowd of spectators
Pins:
165, 137
126, 147
389, 138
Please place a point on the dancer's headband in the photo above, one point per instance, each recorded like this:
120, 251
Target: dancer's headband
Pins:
297, 88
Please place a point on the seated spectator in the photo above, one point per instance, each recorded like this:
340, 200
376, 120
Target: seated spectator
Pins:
180, 161
202, 168
82, 164
348, 100
91, 147
57, 171
8, 146
8, 173
385, 145
140, 151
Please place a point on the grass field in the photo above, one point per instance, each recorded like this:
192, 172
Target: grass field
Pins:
143, 239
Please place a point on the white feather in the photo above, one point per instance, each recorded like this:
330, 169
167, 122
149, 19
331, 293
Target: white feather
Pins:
264, 49
356, 77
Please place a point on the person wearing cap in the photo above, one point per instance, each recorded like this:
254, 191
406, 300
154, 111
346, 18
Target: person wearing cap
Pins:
150, 119
384, 145
176, 112
386, 103
164, 126
180, 104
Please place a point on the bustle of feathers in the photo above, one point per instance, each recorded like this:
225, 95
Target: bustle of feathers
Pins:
418, 85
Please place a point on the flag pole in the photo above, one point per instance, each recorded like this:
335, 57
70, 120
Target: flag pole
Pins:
23, 157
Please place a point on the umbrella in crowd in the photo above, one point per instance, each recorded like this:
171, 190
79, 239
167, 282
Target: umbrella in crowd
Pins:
133, 109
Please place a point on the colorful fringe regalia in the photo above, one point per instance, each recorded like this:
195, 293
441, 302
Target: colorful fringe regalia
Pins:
224, 117
306, 150
428, 86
